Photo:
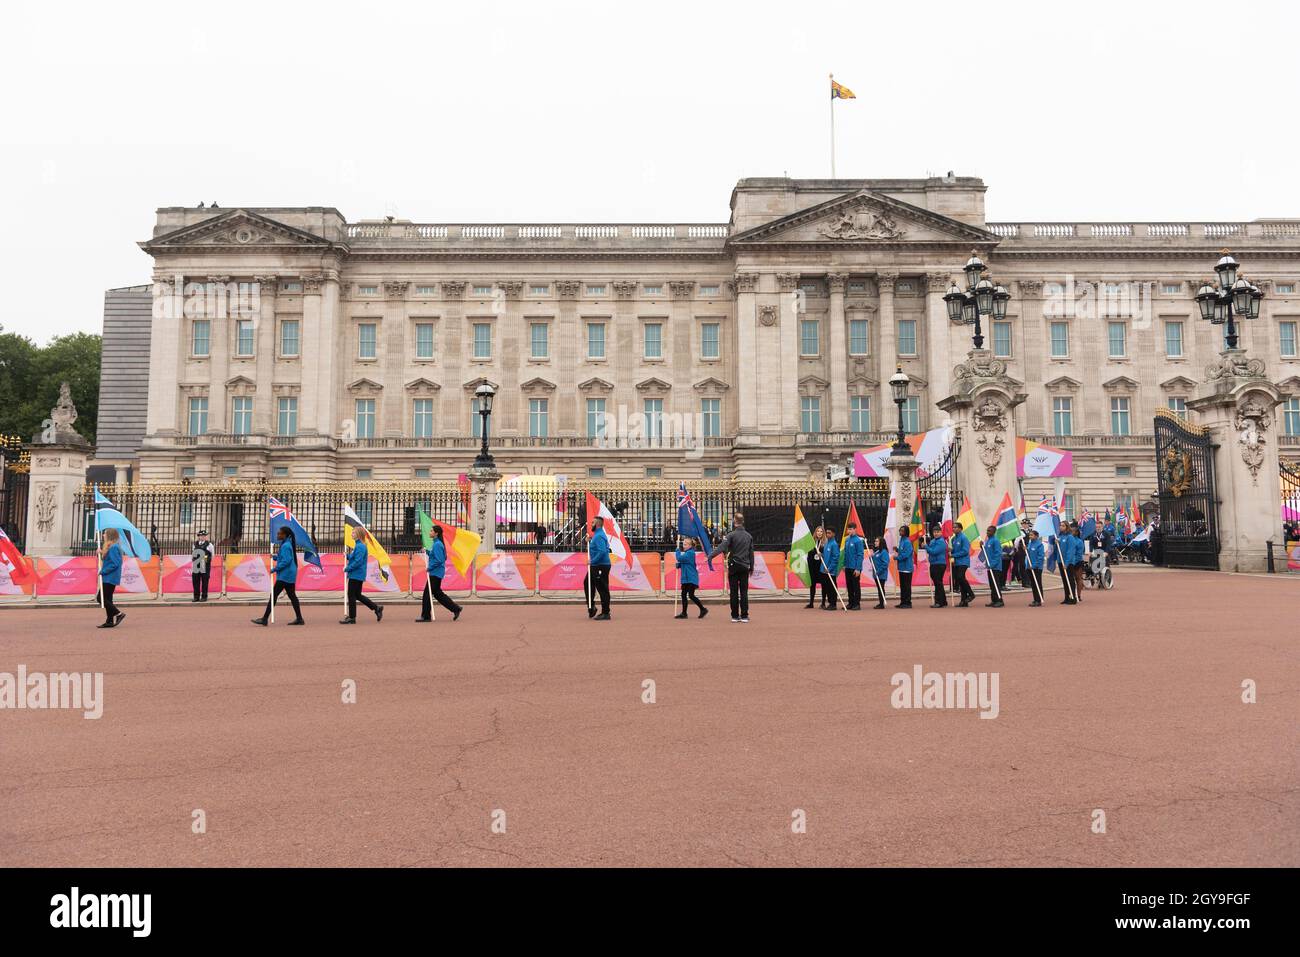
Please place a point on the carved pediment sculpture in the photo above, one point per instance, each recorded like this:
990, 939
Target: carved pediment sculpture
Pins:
989, 423
862, 223
1252, 423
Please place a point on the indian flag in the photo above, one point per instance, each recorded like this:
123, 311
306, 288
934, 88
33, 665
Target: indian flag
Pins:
1008, 525
801, 543
373, 548
462, 544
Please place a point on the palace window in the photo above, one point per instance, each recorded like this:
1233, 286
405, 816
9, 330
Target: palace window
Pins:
809, 337
289, 344
475, 419
1286, 334
1172, 288
1062, 415
595, 472
1002, 340
1178, 406
367, 290
367, 334
907, 337
292, 287
710, 346
424, 340
365, 418
539, 340
912, 415
244, 337
241, 415
860, 413
1060, 332
859, 337
810, 413
539, 290
709, 290
426, 290
1291, 416
200, 337
1285, 288
422, 418
482, 340
654, 344
653, 410
198, 418
595, 340
537, 415
596, 419
482, 290
422, 475
287, 416
710, 417
1116, 339
229, 471
652, 290
1067, 507
280, 471
1119, 415
1123, 471
596, 290
1174, 339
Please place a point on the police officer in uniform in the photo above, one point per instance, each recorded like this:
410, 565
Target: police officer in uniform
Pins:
201, 565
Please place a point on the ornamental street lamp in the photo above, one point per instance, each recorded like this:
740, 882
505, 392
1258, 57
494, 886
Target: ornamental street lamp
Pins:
484, 394
898, 382
983, 297
1234, 297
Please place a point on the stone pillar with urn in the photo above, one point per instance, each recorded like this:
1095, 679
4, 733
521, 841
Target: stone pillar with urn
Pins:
1237, 406
981, 408
59, 455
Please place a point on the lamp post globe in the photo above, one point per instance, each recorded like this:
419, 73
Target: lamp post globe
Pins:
484, 395
898, 384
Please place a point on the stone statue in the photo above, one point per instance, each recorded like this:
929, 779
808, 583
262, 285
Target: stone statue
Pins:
64, 412
1252, 423
861, 223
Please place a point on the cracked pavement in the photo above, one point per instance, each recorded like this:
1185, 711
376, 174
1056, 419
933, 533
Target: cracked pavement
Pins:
1130, 704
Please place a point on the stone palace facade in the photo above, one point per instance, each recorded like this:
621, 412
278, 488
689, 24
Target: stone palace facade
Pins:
291, 344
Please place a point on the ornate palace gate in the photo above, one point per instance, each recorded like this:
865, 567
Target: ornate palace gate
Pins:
1189, 531
14, 482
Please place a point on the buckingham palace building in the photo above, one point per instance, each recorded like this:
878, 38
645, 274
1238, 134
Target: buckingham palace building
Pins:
292, 344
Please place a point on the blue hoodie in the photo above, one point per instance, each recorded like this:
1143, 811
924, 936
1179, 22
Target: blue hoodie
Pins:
358, 558
110, 569
686, 564
286, 563
598, 549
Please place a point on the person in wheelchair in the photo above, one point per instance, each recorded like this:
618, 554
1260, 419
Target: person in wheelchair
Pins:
1096, 570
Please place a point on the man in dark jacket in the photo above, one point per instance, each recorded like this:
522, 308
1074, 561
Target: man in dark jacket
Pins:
738, 545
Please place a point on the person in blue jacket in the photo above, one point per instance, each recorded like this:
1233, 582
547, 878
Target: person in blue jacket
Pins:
993, 561
358, 560
598, 580
880, 569
1035, 553
286, 577
1064, 557
690, 575
110, 575
855, 552
936, 551
831, 564
961, 566
904, 553
436, 567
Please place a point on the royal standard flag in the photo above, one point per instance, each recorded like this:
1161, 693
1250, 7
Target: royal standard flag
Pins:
801, 543
841, 92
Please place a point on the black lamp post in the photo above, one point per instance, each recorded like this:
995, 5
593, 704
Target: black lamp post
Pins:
898, 382
484, 393
1234, 296
982, 298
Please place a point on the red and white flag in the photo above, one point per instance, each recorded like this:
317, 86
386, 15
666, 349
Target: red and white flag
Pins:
618, 545
946, 530
13, 563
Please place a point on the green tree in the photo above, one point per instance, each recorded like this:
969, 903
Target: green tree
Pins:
30, 376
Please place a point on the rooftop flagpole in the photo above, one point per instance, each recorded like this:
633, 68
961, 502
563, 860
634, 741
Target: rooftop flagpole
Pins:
832, 99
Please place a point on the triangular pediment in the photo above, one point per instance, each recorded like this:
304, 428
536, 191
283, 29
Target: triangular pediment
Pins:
422, 385
241, 382
536, 384
1290, 386
473, 384
864, 217
653, 383
711, 385
1179, 383
237, 228
365, 385
1063, 383
813, 382
595, 384
1120, 382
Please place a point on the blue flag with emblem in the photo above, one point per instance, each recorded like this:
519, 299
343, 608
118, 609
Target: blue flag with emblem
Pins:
690, 523
133, 540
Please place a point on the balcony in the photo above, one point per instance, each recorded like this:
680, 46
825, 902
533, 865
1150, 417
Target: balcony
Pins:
566, 236
1285, 232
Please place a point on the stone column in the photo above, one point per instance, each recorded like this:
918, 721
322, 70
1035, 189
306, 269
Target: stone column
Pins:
1236, 406
58, 471
837, 357
888, 334
982, 408
902, 480
681, 333
166, 336
267, 349
1033, 346
939, 333
394, 414
746, 285
222, 344
483, 506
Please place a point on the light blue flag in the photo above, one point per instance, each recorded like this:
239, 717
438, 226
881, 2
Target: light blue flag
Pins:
133, 541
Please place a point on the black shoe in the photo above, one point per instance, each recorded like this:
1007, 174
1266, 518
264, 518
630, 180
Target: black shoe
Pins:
204, 598
121, 616
347, 621
423, 619
906, 604
703, 612
259, 621
879, 605
591, 612
455, 615
963, 603
194, 601
998, 604
1035, 604
683, 616
602, 617
379, 613
809, 605
297, 621
107, 624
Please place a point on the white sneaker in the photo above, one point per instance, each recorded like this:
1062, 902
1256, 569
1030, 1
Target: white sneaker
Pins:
735, 621
745, 620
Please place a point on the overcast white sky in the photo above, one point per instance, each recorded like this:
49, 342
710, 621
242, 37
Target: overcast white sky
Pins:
613, 111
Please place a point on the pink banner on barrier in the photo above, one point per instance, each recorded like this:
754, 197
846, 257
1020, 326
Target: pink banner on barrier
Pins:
641, 576
768, 567
399, 577
1293, 557
9, 588
176, 578
138, 579
715, 580
561, 571
248, 573
505, 571
67, 575
327, 578
453, 581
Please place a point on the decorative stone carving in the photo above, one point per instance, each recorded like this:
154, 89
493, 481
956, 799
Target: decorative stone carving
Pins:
989, 423
683, 289
452, 288
767, 315
1030, 287
744, 282
937, 282
862, 223
567, 288
512, 288
1252, 423
787, 281
395, 289
838, 281
64, 412
624, 288
47, 507
1235, 363
267, 284
980, 364
885, 281
311, 285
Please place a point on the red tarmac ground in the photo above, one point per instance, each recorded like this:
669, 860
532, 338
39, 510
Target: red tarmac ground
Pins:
1130, 703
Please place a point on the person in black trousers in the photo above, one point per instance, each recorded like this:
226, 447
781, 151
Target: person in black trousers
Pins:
815, 574
738, 545
436, 568
201, 557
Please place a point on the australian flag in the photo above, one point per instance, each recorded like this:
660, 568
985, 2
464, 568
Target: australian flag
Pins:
282, 517
689, 523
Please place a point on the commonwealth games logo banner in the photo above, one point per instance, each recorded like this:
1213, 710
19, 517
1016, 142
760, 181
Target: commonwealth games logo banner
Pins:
1035, 460
928, 448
